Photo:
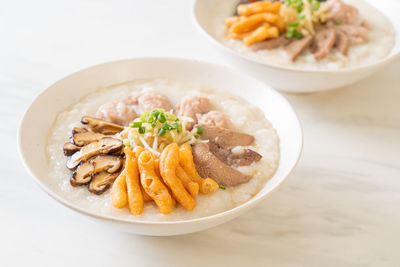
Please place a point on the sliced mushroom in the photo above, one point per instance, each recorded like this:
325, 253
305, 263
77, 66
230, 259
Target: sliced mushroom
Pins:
105, 145
78, 130
70, 149
101, 182
84, 138
106, 163
83, 174
100, 126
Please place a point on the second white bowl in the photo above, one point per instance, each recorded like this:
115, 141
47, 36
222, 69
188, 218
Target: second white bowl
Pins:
292, 79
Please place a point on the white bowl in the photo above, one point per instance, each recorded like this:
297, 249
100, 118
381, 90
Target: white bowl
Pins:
40, 116
294, 79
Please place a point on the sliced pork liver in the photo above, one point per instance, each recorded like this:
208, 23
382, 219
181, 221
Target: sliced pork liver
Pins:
342, 42
357, 34
238, 156
271, 43
323, 42
208, 165
226, 137
295, 48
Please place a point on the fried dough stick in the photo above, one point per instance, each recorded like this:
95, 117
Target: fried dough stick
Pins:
135, 197
119, 195
169, 161
152, 184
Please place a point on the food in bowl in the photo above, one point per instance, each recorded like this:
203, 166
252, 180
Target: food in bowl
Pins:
162, 150
308, 34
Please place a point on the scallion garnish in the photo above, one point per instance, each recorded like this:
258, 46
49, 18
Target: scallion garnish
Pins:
170, 117
167, 127
175, 125
145, 116
199, 130
338, 22
161, 118
315, 5
142, 130
135, 124
222, 187
162, 131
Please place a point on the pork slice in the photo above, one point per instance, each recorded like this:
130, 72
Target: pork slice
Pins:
342, 42
323, 42
192, 105
239, 156
208, 165
357, 34
214, 118
121, 111
152, 101
342, 12
271, 43
225, 137
295, 48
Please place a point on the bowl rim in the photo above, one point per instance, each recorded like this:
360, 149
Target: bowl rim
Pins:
383, 61
245, 206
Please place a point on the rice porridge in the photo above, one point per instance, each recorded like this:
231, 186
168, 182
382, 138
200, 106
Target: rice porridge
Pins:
243, 116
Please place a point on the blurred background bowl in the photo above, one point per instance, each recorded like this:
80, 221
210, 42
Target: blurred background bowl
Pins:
295, 79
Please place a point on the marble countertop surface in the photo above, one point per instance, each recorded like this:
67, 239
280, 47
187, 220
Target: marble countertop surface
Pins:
341, 207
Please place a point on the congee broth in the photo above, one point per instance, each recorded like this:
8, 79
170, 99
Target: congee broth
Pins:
161, 150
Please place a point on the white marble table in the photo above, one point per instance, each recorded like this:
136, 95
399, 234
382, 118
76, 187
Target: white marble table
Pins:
341, 207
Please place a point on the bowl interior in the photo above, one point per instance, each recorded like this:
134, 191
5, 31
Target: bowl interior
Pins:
205, 14
40, 116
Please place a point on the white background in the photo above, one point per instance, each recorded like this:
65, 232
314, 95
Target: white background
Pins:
340, 207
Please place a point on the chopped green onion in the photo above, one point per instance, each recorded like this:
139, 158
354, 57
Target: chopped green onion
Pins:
175, 125
155, 113
135, 124
161, 118
288, 35
179, 128
197, 136
154, 123
199, 130
145, 116
142, 130
294, 24
298, 35
315, 5
222, 187
338, 22
161, 132
167, 127
301, 16
170, 117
